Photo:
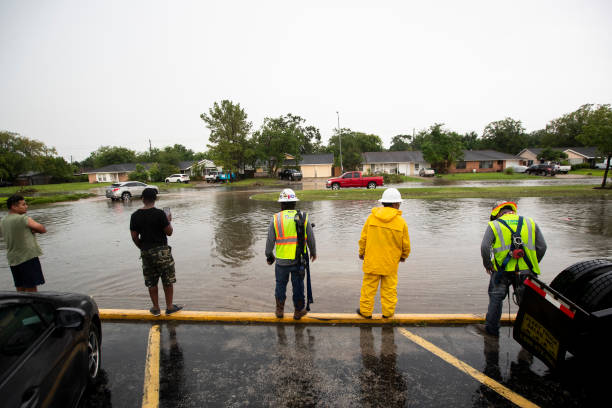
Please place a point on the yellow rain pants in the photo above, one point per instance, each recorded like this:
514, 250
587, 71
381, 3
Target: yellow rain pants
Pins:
388, 293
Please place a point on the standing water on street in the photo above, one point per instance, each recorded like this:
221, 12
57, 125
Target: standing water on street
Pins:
219, 241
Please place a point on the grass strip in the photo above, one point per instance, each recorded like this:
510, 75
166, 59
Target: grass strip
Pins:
440, 193
257, 182
51, 198
51, 188
485, 176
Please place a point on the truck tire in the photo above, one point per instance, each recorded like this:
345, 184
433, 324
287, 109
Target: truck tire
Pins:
336, 186
572, 280
371, 185
597, 294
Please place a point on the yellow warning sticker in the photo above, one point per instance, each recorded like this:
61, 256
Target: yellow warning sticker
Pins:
540, 335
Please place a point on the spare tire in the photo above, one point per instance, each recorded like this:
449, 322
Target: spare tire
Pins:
597, 294
572, 281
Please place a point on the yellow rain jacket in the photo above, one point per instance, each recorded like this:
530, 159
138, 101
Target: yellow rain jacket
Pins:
384, 240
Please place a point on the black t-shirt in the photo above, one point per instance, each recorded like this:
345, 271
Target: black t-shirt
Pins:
149, 224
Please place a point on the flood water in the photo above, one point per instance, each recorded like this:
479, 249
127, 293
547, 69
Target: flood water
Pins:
219, 239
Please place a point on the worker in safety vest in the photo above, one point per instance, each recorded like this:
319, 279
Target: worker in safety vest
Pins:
384, 243
511, 249
282, 233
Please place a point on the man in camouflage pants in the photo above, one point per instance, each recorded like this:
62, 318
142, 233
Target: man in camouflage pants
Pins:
150, 228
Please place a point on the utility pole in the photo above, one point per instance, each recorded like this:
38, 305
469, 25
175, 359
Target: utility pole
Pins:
340, 142
150, 149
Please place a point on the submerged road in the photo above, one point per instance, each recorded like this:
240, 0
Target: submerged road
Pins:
181, 364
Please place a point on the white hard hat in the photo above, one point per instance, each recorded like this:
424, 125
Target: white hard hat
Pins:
287, 196
391, 195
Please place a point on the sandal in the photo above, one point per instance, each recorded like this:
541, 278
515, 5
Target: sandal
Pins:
174, 309
154, 311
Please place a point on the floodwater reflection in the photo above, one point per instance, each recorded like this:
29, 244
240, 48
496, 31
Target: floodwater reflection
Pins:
219, 241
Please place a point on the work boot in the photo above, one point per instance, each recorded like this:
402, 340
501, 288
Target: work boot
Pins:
280, 308
300, 310
482, 329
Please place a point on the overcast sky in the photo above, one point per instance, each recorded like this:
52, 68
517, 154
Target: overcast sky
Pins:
80, 74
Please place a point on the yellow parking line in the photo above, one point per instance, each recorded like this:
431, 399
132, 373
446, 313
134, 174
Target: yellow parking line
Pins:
150, 398
488, 381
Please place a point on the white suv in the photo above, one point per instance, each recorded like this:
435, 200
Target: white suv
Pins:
126, 190
177, 178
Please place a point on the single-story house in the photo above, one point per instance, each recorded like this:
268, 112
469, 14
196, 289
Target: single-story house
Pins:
113, 173
575, 155
483, 161
31, 178
407, 163
314, 165
207, 166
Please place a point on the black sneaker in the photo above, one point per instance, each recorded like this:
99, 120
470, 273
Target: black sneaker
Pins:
154, 311
482, 329
174, 309
358, 311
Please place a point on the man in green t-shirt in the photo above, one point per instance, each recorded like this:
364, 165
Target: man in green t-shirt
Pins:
22, 250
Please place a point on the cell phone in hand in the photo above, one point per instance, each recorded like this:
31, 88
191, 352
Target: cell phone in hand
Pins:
167, 211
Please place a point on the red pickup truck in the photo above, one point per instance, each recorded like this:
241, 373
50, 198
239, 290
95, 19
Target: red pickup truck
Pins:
353, 179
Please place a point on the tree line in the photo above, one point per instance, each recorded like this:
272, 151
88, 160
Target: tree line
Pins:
234, 145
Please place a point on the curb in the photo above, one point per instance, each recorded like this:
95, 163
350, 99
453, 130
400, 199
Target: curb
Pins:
311, 318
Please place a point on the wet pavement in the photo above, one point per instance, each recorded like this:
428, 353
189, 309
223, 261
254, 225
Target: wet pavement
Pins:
303, 365
219, 239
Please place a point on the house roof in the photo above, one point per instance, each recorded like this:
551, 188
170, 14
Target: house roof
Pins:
309, 159
485, 155
588, 152
186, 165
417, 156
393, 157
117, 168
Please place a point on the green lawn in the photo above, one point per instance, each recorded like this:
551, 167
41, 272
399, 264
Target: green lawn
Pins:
50, 199
485, 176
257, 182
589, 172
505, 192
51, 188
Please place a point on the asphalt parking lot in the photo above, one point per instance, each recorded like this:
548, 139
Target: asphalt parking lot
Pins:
204, 364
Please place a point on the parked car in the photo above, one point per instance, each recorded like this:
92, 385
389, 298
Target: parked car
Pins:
126, 190
353, 179
50, 348
211, 177
559, 168
177, 178
602, 165
541, 169
226, 177
290, 174
519, 169
427, 172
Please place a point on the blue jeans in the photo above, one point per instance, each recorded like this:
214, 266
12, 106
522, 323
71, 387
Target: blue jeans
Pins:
497, 294
282, 278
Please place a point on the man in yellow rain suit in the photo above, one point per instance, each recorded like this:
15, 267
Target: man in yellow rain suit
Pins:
384, 243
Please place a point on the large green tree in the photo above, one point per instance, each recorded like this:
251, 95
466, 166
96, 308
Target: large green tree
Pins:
598, 132
354, 144
106, 155
400, 143
471, 141
442, 147
565, 131
507, 135
285, 134
229, 129
19, 154
549, 154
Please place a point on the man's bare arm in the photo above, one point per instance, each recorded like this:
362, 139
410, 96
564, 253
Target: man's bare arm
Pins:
36, 227
135, 238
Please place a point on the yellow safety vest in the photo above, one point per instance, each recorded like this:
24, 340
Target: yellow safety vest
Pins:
503, 239
286, 234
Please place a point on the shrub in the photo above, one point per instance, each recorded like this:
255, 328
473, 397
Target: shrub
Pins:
581, 166
140, 174
393, 178
509, 171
